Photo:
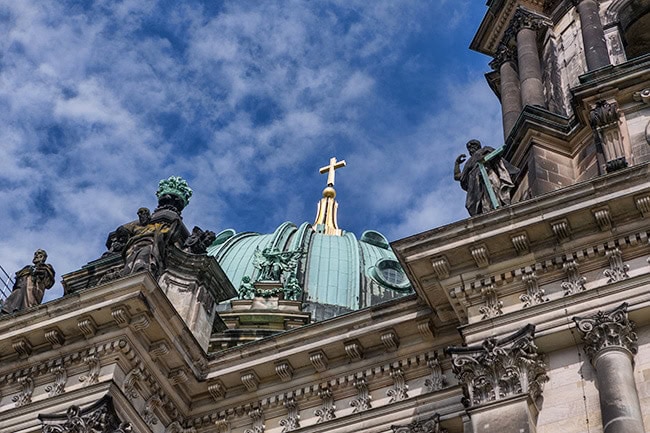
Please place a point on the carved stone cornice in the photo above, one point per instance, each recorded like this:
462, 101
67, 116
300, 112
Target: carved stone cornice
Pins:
500, 368
607, 329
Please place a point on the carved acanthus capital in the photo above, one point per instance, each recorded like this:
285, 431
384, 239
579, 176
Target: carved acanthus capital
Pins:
505, 53
500, 368
604, 114
607, 329
524, 19
431, 425
100, 417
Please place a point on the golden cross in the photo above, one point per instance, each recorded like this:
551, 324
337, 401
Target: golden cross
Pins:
329, 169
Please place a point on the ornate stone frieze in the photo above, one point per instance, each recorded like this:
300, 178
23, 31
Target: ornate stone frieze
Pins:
399, 390
617, 269
319, 360
94, 366
437, 380
250, 380
100, 417
500, 368
257, 415
481, 255
292, 421
493, 307
362, 402
431, 425
25, 395
327, 410
390, 340
575, 283
607, 329
441, 267
354, 350
284, 370
534, 295
60, 379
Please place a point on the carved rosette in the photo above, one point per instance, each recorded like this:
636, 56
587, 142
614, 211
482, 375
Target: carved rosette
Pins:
607, 329
100, 417
431, 425
500, 368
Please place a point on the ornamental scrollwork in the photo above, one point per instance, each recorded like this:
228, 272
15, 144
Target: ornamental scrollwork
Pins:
500, 368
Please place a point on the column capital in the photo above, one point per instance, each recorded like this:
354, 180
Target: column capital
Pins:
500, 368
577, 2
505, 53
607, 329
524, 19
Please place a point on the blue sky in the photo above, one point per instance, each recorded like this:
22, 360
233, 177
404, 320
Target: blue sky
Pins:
99, 100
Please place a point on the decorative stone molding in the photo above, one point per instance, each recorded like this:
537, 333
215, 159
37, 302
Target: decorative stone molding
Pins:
284, 370
607, 329
493, 307
250, 380
500, 368
575, 283
100, 417
22, 347
158, 349
520, 242
603, 218
25, 395
643, 205
292, 421
561, 229
217, 390
319, 360
87, 326
257, 415
94, 367
178, 376
534, 295
430, 425
362, 402
617, 269
399, 390
354, 350
327, 410
128, 386
441, 267
60, 379
55, 337
437, 380
121, 316
390, 340
481, 255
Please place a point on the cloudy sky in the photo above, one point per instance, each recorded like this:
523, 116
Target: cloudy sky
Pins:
246, 99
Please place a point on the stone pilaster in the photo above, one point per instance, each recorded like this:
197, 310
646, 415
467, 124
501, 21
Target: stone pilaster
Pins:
505, 62
604, 120
610, 345
593, 36
524, 27
500, 377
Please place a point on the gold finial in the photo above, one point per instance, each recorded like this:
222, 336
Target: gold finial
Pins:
327, 207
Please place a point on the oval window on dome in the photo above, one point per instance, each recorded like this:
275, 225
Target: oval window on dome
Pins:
389, 272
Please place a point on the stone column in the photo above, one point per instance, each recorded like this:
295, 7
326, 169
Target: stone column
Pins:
504, 62
610, 345
593, 36
525, 25
502, 380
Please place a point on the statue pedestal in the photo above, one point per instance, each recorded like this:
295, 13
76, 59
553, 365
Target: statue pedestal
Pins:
194, 284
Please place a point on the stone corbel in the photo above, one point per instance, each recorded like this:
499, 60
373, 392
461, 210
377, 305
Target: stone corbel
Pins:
399, 391
575, 283
534, 295
362, 402
617, 269
257, 416
327, 410
292, 421
493, 307
437, 380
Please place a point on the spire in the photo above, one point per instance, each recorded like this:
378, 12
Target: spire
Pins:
327, 207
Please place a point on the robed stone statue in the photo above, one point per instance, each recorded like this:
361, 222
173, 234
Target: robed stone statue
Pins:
30, 284
487, 177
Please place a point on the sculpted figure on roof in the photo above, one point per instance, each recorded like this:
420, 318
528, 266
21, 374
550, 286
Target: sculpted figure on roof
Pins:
272, 263
30, 284
487, 177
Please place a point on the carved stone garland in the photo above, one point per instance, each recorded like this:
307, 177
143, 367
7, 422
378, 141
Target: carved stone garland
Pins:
431, 425
500, 368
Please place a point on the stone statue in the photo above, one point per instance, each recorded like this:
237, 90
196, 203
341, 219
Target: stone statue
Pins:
489, 189
199, 241
246, 288
292, 289
31, 283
